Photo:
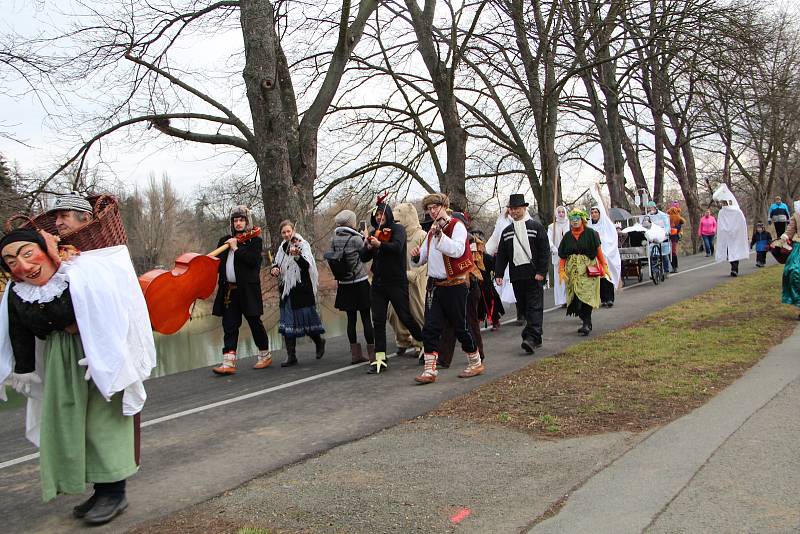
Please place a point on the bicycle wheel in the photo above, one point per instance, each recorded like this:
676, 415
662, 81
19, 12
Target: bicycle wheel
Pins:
656, 270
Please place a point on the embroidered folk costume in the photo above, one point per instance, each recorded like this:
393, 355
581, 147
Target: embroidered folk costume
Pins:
449, 260
239, 292
77, 336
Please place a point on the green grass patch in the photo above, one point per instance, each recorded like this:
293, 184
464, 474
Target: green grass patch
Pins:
646, 374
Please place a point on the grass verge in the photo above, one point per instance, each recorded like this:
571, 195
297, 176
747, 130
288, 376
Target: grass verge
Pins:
644, 375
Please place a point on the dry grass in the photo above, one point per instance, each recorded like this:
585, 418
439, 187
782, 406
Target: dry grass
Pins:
644, 375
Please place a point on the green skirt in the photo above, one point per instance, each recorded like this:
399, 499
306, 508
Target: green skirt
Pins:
579, 285
83, 438
790, 293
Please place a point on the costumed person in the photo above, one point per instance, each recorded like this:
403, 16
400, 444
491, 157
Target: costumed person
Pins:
662, 219
447, 341
506, 290
601, 223
732, 245
298, 277
75, 338
676, 222
555, 232
239, 291
525, 250
491, 307
71, 211
778, 215
790, 290
387, 250
761, 240
352, 287
707, 229
406, 215
449, 260
580, 252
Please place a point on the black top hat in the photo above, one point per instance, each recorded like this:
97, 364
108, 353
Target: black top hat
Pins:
516, 200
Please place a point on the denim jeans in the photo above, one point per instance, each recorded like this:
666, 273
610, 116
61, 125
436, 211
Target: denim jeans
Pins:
708, 243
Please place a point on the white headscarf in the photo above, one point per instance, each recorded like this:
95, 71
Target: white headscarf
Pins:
556, 231
290, 271
608, 239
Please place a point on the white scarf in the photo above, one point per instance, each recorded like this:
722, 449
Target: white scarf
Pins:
290, 271
522, 245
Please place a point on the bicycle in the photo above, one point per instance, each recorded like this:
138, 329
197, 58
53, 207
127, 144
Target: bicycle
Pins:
656, 264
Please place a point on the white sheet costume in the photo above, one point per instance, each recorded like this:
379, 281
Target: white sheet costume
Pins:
732, 243
609, 239
555, 232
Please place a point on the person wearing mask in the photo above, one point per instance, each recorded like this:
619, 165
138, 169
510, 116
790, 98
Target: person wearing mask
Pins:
579, 251
778, 215
386, 248
707, 229
676, 222
661, 219
352, 289
525, 250
609, 239
239, 292
298, 278
732, 245
555, 232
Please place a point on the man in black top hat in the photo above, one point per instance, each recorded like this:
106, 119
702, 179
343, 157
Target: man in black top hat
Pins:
524, 247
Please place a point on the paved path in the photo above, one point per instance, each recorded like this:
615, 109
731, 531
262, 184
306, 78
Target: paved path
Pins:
204, 435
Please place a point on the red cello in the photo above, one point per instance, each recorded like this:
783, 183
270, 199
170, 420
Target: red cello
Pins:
170, 294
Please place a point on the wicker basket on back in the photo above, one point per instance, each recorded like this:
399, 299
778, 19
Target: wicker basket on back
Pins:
105, 229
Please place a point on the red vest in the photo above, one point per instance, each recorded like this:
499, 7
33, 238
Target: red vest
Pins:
456, 267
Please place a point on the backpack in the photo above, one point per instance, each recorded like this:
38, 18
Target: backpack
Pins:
337, 261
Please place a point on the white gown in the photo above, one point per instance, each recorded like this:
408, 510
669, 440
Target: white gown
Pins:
555, 232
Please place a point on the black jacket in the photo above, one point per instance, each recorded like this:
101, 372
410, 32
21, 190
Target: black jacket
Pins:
540, 252
389, 261
247, 267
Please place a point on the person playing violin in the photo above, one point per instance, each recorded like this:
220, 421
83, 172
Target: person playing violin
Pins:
239, 292
387, 250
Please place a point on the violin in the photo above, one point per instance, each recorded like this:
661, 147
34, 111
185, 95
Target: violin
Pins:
170, 294
383, 235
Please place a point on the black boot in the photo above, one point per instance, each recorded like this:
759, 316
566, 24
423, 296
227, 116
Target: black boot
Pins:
319, 342
109, 501
291, 354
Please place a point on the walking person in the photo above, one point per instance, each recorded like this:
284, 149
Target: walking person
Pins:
504, 290
386, 248
676, 222
790, 288
778, 215
761, 240
352, 286
661, 219
82, 396
449, 260
707, 229
298, 277
239, 291
556, 231
525, 250
581, 266
490, 308
609, 239
732, 245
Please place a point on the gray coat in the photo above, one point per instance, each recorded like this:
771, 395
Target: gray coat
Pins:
352, 242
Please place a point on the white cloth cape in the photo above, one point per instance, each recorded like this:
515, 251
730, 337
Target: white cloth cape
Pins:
114, 327
609, 241
732, 243
555, 233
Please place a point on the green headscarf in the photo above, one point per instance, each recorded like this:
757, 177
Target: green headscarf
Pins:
578, 213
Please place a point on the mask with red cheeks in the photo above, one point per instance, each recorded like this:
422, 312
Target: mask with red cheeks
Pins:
28, 262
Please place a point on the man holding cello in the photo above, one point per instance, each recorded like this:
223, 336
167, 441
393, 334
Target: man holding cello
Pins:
239, 291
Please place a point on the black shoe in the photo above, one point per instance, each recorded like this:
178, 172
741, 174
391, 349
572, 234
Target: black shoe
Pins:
609, 304
320, 348
289, 361
105, 509
734, 274
528, 345
401, 351
80, 511
583, 330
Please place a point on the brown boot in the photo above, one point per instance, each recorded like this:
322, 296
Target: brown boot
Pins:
428, 376
264, 359
371, 352
228, 365
474, 366
357, 356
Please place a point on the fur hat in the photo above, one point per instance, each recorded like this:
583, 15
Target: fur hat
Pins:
242, 211
435, 198
345, 218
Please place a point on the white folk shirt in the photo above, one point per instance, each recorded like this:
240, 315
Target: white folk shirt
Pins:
434, 249
230, 272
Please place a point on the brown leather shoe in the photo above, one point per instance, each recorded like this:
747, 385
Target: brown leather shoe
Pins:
425, 378
263, 362
472, 371
228, 366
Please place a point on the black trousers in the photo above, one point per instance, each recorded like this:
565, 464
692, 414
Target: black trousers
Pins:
447, 304
606, 291
447, 341
735, 266
232, 320
780, 228
397, 295
585, 312
761, 257
530, 301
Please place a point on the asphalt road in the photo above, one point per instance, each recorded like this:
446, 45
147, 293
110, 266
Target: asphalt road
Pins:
204, 434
